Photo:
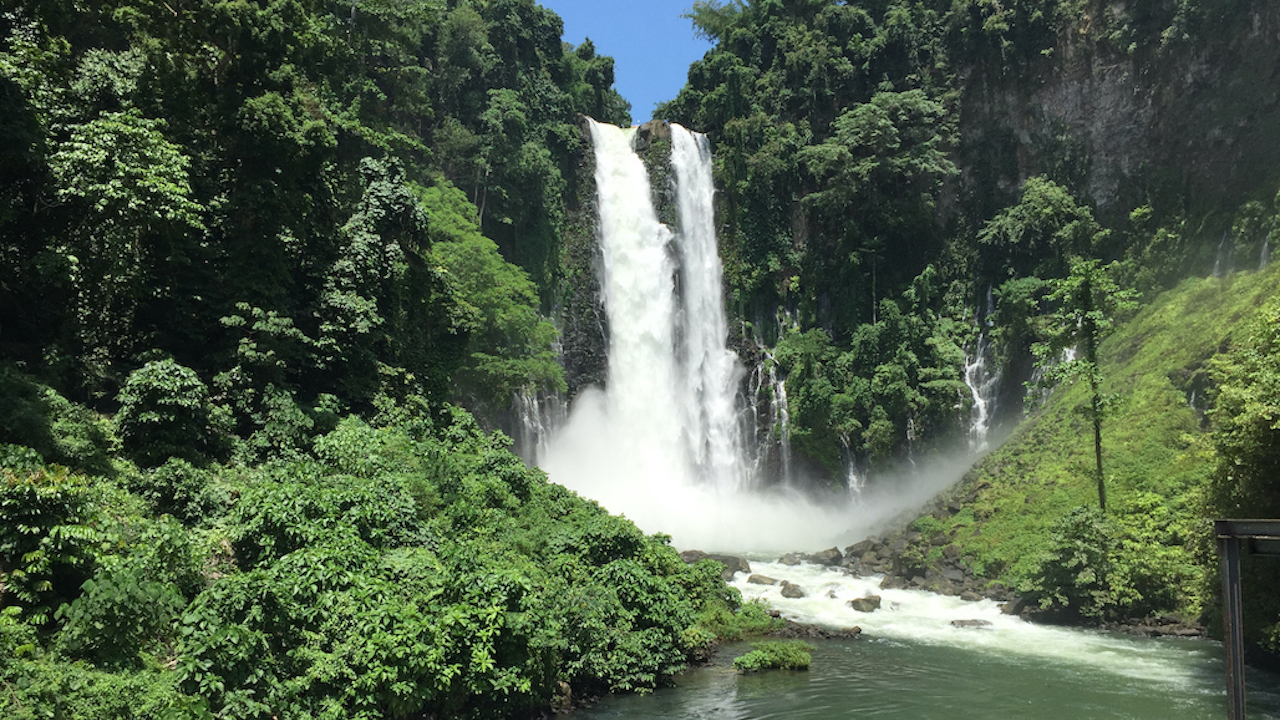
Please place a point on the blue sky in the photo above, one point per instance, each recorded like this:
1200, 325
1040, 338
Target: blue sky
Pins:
651, 44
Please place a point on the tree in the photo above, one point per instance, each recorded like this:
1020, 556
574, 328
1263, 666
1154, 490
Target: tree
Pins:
1087, 302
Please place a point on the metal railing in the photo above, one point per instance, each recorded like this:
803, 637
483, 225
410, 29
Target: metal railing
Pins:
1256, 537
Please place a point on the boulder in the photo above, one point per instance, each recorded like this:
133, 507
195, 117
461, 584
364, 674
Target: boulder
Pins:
859, 548
761, 580
939, 539
892, 582
791, 590
953, 574
971, 623
731, 563
867, 604
970, 596
1015, 606
791, 559
829, 557
951, 552
562, 699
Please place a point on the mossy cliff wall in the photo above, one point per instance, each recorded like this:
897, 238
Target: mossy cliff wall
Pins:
1185, 120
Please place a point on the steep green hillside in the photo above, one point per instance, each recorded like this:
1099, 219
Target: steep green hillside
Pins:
1160, 464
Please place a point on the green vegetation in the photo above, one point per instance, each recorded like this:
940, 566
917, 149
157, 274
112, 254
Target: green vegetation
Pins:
402, 566
1245, 482
302, 206
774, 655
1086, 302
899, 153
1184, 352
253, 257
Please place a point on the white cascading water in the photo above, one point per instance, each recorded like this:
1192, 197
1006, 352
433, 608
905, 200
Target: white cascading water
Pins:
982, 384
661, 444
537, 415
710, 371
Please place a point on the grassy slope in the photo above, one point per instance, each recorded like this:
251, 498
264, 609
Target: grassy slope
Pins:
1155, 452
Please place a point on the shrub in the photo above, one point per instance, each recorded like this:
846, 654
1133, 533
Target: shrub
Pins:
775, 655
46, 545
1073, 577
178, 488
164, 412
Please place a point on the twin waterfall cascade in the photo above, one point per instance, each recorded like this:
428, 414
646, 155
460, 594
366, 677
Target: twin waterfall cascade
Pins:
667, 442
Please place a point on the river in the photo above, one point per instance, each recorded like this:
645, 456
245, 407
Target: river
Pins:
912, 663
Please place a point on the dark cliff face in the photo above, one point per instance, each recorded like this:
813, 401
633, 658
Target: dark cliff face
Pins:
1177, 121
584, 326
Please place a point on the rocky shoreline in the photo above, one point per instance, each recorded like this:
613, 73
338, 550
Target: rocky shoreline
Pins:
909, 560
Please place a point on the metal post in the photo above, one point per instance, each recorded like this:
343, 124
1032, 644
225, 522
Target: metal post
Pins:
1233, 631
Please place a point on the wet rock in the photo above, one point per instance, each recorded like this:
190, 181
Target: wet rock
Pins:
791, 590
971, 623
799, 631
970, 596
562, 700
1015, 606
791, 559
731, 564
867, 604
829, 557
859, 549
951, 552
953, 574
761, 580
870, 558
892, 582
939, 539
954, 507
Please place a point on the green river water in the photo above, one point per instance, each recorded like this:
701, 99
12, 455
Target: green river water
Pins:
912, 664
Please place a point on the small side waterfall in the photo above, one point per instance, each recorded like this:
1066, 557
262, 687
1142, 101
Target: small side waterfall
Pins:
983, 384
537, 415
781, 417
1219, 254
1264, 257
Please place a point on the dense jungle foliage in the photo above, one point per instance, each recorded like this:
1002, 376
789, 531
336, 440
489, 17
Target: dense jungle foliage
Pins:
906, 182
875, 220
248, 254
251, 252
401, 567
306, 204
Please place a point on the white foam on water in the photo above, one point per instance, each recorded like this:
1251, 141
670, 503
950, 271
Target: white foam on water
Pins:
918, 616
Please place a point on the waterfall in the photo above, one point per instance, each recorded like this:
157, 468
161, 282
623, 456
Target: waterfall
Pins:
982, 386
710, 371
781, 417
537, 416
663, 443
1220, 253
1265, 255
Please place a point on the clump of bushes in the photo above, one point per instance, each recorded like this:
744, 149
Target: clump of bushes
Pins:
775, 655
386, 570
